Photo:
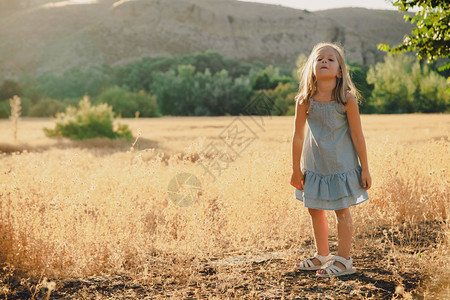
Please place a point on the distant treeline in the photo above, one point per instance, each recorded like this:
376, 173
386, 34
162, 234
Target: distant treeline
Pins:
207, 84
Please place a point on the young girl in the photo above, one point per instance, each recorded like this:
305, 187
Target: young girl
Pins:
327, 174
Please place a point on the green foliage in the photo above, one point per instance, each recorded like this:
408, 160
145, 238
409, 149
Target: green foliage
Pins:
26, 106
215, 62
10, 88
127, 104
218, 85
207, 84
88, 121
402, 86
190, 93
74, 83
5, 110
137, 76
432, 96
284, 98
431, 36
358, 74
46, 108
267, 78
393, 87
147, 105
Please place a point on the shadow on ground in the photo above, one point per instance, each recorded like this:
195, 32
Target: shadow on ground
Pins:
98, 146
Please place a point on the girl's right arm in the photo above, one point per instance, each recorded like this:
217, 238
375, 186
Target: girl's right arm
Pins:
297, 145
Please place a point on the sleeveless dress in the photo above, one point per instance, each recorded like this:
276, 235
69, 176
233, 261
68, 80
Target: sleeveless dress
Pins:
329, 161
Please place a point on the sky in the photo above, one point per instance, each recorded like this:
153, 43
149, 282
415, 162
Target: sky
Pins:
329, 4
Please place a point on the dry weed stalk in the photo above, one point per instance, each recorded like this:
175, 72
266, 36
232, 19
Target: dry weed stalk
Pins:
16, 109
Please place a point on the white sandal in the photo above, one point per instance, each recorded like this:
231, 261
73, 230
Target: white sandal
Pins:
333, 270
309, 265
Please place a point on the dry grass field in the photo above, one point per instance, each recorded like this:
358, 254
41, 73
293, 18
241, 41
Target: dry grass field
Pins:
94, 219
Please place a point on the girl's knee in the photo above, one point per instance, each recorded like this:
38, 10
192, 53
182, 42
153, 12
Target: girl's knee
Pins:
343, 216
316, 212
343, 213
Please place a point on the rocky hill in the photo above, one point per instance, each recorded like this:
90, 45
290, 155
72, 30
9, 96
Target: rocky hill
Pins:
58, 35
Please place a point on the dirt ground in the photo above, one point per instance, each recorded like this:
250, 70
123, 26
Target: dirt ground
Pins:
269, 275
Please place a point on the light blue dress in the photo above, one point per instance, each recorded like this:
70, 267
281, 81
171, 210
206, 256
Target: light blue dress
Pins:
329, 161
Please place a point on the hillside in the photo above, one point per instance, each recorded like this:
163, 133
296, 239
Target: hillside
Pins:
59, 35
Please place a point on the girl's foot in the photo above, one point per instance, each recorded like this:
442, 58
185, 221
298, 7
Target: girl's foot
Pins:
338, 267
313, 263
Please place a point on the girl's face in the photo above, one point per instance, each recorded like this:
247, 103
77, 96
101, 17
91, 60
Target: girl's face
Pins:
326, 65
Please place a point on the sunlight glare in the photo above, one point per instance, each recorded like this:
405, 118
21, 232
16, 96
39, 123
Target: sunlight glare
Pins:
69, 2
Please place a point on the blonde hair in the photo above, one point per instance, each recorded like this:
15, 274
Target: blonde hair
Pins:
307, 83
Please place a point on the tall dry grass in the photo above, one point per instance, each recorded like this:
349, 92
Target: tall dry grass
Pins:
16, 110
78, 209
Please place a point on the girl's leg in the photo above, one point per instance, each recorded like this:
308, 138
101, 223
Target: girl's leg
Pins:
345, 233
320, 226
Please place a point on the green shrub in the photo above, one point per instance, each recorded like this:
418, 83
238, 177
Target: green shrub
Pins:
46, 108
127, 103
26, 106
283, 97
5, 110
146, 104
88, 121
432, 95
10, 88
268, 78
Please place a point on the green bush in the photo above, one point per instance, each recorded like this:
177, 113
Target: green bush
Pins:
432, 94
46, 108
127, 104
283, 97
5, 110
268, 78
147, 106
10, 88
88, 121
26, 105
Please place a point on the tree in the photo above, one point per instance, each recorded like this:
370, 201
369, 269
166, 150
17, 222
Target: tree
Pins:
10, 88
191, 93
393, 87
268, 78
284, 98
128, 103
431, 36
358, 74
401, 85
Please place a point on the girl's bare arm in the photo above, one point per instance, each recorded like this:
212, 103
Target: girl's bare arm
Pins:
298, 136
354, 122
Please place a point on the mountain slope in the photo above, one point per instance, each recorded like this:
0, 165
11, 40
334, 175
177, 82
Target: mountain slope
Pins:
57, 36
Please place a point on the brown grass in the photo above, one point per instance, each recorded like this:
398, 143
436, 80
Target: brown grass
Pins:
91, 208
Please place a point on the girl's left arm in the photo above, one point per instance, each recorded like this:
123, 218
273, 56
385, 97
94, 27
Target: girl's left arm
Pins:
354, 122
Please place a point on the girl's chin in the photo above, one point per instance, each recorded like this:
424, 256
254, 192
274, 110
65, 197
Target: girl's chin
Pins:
325, 76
